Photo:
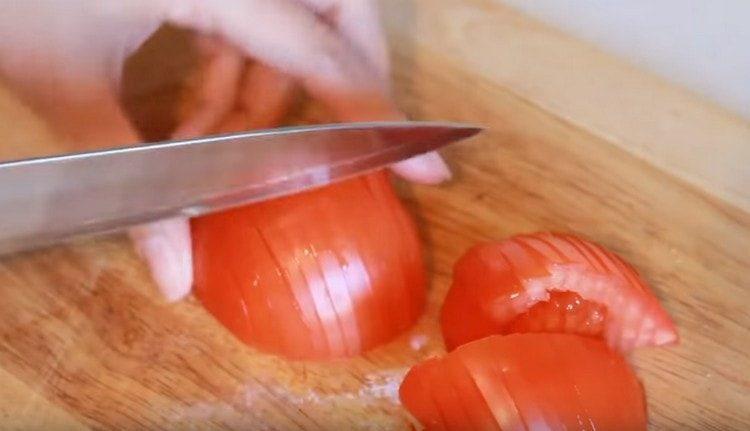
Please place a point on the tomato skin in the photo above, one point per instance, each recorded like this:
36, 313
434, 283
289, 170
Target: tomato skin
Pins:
549, 282
326, 273
527, 382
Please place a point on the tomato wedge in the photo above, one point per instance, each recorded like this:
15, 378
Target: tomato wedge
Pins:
549, 282
323, 274
526, 382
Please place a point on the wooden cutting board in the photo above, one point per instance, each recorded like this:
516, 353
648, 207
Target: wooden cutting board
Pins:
576, 141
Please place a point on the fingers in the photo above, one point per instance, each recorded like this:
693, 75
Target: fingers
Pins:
290, 36
233, 122
218, 89
358, 21
284, 34
264, 99
265, 96
425, 169
166, 247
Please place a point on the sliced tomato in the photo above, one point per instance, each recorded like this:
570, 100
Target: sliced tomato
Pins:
326, 273
548, 282
526, 382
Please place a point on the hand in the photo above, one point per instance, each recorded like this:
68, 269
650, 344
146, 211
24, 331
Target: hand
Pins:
65, 59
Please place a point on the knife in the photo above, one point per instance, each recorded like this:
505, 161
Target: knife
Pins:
51, 199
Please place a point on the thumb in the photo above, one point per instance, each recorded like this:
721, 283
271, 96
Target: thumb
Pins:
166, 247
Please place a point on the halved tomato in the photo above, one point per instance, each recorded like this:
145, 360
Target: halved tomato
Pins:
526, 382
549, 282
326, 273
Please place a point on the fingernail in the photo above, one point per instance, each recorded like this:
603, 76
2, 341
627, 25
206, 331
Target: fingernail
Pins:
427, 169
168, 256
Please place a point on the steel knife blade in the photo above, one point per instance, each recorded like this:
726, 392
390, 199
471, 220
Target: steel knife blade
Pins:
50, 199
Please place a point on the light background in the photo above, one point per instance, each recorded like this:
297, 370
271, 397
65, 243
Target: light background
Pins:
703, 45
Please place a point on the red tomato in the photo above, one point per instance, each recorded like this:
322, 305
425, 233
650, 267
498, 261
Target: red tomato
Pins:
549, 282
526, 382
326, 273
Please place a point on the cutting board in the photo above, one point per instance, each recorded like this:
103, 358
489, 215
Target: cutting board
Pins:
576, 141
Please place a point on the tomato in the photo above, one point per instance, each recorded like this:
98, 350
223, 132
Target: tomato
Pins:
548, 282
526, 382
326, 273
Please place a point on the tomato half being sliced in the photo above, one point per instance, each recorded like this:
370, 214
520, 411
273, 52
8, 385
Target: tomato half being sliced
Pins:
548, 282
326, 273
526, 382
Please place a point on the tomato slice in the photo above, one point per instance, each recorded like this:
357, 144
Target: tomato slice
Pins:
549, 282
526, 382
326, 273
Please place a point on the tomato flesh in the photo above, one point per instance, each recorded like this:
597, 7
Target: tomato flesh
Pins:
549, 282
526, 382
326, 273
563, 312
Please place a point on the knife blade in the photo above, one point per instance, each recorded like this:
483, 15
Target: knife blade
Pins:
51, 199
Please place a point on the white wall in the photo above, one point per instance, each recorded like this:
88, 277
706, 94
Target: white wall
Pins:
701, 44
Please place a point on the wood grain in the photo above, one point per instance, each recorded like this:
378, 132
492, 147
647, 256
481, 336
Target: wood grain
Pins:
86, 343
673, 129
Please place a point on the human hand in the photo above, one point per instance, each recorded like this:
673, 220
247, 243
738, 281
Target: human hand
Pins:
65, 59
